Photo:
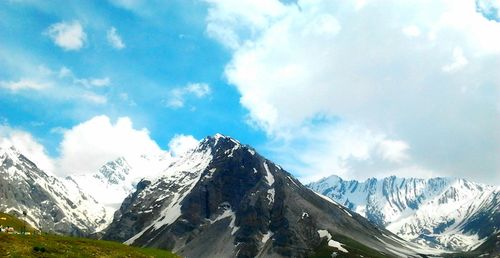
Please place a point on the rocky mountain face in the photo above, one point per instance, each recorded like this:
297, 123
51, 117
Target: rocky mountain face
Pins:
51, 205
223, 199
116, 179
444, 213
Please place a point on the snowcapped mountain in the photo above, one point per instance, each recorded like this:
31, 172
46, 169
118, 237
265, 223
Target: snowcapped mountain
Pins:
51, 205
116, 179
222, 199
444, 213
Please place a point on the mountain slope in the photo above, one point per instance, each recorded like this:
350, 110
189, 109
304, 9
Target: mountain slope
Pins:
224, 200
444, 213
116, 179
50, 204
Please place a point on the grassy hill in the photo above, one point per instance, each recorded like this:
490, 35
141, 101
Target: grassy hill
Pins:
61, 246
8, 220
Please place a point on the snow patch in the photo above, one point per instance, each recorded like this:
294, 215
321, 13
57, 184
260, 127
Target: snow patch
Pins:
337, 245
266, 237
269, 176
270, 195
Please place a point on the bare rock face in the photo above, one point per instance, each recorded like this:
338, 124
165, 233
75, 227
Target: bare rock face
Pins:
223, 199
51, 205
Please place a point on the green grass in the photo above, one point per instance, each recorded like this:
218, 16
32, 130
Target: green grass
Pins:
62, 246
14, 222
46, 245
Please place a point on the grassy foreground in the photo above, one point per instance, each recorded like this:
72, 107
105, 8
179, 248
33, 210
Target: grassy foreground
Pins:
7, 220
61, 246
16, 245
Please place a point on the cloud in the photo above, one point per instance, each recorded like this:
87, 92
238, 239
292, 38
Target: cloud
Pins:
24, 84
490, 9
94, 98
68, 35
411, 31
92, 82
114, 39
313, 70
85, 147
230, 17
27, 145
60, 85
90, 144
459, 61
181, 143
178, 96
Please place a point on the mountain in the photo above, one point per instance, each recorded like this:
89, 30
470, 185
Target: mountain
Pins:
223, 199
444, 213
51, 205
116, 179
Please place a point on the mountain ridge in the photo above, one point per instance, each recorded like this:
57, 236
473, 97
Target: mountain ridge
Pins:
224, 199
442, 212
49, 203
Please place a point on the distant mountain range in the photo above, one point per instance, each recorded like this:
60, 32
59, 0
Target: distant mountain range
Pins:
49, 203
223, 199
444, 213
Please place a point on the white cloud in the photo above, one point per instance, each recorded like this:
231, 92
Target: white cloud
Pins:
198, 89
26, 144
100, 82
225, 21
67, 35
88, 145
459, 61
306, 71
60, 84
24, 84
92, 82
114, 38
94, 98
181, 143
178, 96
411, 31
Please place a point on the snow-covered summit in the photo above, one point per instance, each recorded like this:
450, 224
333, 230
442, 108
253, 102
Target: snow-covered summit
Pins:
223, 199
50, 204
118, 178
436, 212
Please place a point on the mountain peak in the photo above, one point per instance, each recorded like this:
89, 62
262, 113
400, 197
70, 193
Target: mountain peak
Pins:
404, 205
7, 149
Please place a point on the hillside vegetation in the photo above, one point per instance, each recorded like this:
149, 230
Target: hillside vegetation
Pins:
61, 246
7, 220
45, 245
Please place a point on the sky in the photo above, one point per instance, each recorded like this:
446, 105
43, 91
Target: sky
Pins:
359, 88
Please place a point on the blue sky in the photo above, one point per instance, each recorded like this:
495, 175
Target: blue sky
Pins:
358, 88
163, 51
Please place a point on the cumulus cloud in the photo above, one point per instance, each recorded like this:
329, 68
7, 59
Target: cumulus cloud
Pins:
27, 145
181, 143
178, 96
85, 147
89, 145
310, 71
114, 39
67, 35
